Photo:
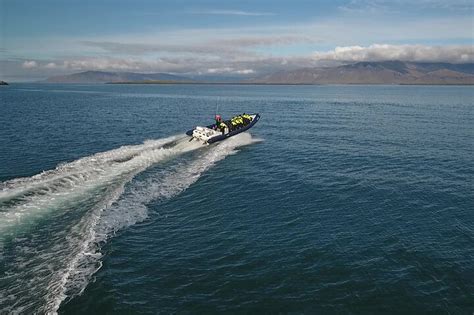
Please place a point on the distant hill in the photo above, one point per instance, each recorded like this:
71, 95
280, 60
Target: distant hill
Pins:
385, 72
3, 82
110, 77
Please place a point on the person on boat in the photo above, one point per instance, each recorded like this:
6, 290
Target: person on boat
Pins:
236, 122
240, 122
222, 126
218, 119
244, 120
247, 118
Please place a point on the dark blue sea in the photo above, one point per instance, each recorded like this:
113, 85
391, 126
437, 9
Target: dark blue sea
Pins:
340, 200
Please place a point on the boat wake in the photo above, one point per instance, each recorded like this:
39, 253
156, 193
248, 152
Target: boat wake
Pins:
52, 225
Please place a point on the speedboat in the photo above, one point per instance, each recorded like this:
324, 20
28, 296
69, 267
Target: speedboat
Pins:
212, 133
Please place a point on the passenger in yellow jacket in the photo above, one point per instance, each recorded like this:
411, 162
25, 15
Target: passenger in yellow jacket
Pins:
222, 127
240, 121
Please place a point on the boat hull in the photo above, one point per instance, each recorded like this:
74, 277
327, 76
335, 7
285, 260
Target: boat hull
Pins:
231, 133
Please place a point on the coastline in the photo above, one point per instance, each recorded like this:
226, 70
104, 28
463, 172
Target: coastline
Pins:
262, 83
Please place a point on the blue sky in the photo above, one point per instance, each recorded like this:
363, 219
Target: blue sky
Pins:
43, 38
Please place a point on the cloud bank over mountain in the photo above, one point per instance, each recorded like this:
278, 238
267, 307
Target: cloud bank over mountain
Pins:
382, 52
232, 60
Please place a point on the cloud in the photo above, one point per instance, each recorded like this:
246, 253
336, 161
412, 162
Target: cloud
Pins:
245, 71
386, 6
364, 7
117, 64
378, 52
192, 65
256, 41
211, 49
29, 64
51, 65
215, 46
232, 12
230, 70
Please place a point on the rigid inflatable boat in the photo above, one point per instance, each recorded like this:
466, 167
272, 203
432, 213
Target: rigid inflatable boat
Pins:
212, 133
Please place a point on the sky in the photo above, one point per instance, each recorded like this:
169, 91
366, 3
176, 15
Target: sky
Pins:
229, 38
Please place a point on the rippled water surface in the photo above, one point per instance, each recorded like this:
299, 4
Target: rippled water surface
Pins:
342, 199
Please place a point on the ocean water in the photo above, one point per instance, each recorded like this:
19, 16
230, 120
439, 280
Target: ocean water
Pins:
342, 199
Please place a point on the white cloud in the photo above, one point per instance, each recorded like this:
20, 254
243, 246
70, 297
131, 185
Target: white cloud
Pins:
219, 70
210, 49
381, 52
264, 40
379, 6
106, 64
245, 71
232, 12
230, 70
230, 46
51, 65
29, 64
172, 65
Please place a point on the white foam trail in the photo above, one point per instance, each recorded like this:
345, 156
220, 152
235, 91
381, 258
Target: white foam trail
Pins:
24, 200
129, 210
79, 170
89, 184
96, 184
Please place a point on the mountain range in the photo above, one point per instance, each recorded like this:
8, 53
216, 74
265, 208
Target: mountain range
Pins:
383, 72
113, 77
